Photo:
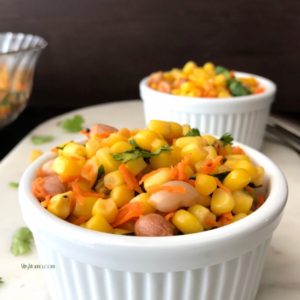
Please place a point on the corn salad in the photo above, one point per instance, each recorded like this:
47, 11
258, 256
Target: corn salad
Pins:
208, 81
166, 179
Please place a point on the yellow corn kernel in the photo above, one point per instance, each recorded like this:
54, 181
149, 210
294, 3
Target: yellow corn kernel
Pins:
107, 208
162, 128
176, 155
222, 202
99, 223
220, 80
259, 178
224, 94
106, 160
186, 222
187, 140
35, 154
158, 178
144, 138
120, 146
92, 146
158, 143
121, 194
204, 215
68, 168
114, 138
113, 179
246, 165
176, 130
238, 217
209, 67
194, 152
211, 152
189, 67
164, 159
83, 206
135, 166
242, 202
122, 231
209, 139
237, 179
205, 184
89, 170
74, 149
60, 205
204, 200
185, 129
144, 199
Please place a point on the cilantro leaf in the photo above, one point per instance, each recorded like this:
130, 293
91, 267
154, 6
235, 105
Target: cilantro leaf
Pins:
21, 242
1, 280
237, 88
138, 152
41, 139
193, 132
226, 138
73, 124
14, 184
222, 70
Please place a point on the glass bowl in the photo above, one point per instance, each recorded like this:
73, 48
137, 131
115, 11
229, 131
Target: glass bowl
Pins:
19, 53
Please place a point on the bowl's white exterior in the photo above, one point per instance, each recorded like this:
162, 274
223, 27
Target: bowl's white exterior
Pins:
221, 264
244, 117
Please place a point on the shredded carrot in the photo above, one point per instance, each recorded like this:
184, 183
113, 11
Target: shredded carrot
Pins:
169, 215
129, 178
222, 151
222, 186
172, 189
80, 220
259, 90
38, 189
148, 175
249, 190
225, 219
260, 200
211, 165
80, 193
237, 150
211, 222
128, 212
174, 173
125, 132
103, 135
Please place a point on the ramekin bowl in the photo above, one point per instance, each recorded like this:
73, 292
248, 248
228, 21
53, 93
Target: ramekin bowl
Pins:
220, 264
245, 117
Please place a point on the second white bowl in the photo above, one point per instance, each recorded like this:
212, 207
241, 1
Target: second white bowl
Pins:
244, 117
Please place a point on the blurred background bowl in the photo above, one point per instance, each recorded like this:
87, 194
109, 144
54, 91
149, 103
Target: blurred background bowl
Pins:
245, 117
18, 56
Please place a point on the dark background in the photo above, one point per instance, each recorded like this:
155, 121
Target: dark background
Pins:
99, 49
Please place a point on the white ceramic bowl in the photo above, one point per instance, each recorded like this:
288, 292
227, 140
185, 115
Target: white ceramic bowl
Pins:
221, 264
244, 117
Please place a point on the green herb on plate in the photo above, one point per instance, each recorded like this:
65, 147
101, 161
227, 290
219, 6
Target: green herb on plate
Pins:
22, 241
237, 88
74, 124
137, 152
226, 138
193, 132
41, 139
14, 184
1, 280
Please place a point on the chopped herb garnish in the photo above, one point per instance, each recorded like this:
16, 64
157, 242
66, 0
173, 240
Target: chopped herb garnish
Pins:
1, 280
41, 139
193, 132
21, 242
73, 124
221, 176
100, 175
137, 152
223, 70
237, 88
14, 184
226, 138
